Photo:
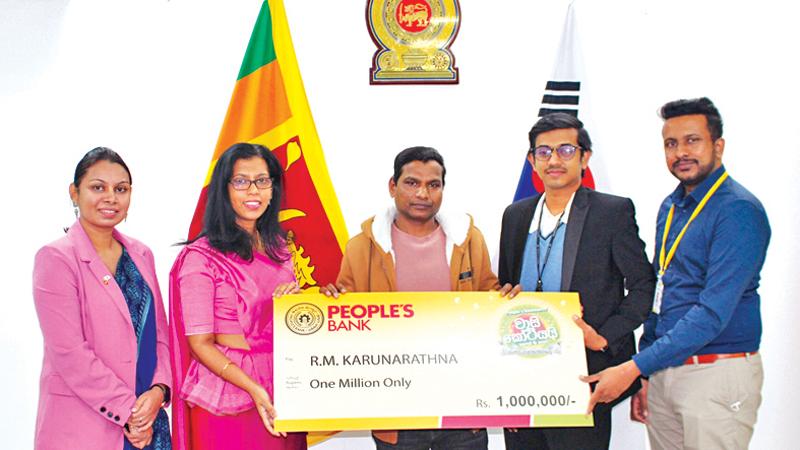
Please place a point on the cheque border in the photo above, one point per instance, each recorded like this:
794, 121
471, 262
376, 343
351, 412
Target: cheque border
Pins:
434, 422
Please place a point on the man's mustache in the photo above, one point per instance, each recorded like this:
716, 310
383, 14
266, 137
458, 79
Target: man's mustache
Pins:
684, 160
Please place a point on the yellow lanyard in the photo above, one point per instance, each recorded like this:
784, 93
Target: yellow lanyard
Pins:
665, 258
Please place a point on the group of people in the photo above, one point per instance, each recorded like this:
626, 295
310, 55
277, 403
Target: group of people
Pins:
112, 363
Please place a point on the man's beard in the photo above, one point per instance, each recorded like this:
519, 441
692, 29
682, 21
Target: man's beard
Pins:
702, 172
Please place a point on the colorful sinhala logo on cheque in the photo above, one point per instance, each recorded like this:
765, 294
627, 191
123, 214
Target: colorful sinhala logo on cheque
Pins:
529, 331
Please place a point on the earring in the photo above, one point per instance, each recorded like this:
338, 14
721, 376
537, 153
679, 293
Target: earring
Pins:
75, 208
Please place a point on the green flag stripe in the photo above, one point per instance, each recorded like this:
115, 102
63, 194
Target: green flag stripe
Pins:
260, 50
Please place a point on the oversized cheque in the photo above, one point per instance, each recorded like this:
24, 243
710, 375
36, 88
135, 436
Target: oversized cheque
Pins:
428, 360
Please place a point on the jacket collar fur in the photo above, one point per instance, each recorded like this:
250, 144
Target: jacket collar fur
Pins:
455, 226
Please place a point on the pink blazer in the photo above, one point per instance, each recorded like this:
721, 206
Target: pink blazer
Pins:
86, 390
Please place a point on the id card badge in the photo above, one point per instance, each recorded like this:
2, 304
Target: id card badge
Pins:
658, 295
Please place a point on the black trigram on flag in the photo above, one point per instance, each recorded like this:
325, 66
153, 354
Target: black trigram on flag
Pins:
560, 96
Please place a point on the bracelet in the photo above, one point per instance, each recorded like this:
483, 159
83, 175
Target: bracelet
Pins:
225, 367
165, 391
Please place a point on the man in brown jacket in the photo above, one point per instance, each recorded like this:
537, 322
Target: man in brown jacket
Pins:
412, 246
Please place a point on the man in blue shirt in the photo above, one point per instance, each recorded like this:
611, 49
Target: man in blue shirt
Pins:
700, 343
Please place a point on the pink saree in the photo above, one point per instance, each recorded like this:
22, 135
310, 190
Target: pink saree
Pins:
208, 412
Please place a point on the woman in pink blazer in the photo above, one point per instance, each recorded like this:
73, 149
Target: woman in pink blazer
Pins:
105, 375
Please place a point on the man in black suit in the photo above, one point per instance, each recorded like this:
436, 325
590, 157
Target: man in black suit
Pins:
573, 239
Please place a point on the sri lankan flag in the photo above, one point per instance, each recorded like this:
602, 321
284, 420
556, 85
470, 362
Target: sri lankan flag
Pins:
269, 107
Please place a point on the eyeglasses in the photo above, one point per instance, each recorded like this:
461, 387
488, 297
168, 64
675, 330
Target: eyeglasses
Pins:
243, 184
545, 152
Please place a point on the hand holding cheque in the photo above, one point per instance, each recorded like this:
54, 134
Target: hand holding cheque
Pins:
428, 360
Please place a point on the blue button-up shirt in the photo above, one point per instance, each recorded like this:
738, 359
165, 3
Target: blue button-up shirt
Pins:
710, 302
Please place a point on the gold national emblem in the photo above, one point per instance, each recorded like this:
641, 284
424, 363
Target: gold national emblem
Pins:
304, 318
413, 39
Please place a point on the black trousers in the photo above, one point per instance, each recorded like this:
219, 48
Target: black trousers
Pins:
437, 440
567, 438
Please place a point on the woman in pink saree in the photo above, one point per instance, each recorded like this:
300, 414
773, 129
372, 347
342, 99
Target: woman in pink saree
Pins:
221, 289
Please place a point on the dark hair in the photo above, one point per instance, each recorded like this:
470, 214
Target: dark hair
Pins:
412, 154
94, 156
219, 221
560, 121
686, 107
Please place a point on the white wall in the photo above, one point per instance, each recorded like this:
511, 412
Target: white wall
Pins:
152, 80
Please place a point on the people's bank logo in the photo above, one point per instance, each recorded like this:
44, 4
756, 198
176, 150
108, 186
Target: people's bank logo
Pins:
304, 318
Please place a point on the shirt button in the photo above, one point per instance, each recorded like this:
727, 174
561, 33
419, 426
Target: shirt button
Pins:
110, 414
116, 418
102, 409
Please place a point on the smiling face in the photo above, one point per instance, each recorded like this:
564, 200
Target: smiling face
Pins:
251, 203
690, 152
418, 192
557, 174
103, 195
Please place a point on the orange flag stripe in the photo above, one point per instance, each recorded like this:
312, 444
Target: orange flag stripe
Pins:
260, 95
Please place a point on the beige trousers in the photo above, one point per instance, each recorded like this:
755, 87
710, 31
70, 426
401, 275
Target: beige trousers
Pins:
705, 406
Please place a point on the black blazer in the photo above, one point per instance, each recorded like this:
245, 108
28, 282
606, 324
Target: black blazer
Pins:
603, 256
